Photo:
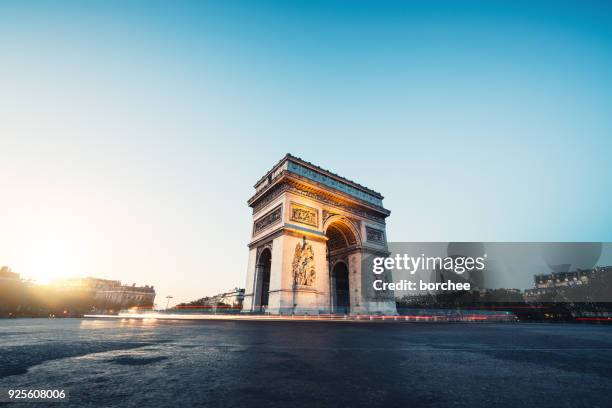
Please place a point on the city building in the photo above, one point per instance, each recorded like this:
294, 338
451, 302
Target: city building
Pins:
109, 292
233, 298
6, 274
551, 283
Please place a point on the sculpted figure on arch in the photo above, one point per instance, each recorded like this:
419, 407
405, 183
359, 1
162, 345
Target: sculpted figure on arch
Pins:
303, 265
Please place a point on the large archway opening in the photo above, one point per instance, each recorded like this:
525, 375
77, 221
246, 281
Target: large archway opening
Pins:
263, 278
341, 240
339, 236
341, 295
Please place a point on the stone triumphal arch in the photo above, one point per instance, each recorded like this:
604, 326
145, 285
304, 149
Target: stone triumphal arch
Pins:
313, 233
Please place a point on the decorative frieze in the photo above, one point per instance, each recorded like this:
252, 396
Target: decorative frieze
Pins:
300, 189
271, 218
318, 177
375, 235
270, 195
304, 215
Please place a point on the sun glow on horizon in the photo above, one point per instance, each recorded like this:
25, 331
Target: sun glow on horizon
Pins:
53, 256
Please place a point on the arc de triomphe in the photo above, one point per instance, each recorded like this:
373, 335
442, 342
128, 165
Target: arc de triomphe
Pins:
312, 233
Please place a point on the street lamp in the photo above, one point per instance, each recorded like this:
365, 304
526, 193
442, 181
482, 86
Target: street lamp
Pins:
168, 302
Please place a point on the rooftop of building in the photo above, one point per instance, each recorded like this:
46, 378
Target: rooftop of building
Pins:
99, 282
6, 272
577, 271
300, 161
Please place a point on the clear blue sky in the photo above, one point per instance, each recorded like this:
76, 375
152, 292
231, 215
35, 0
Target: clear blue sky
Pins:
131, 133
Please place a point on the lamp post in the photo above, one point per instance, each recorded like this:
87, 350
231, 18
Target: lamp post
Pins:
168, 301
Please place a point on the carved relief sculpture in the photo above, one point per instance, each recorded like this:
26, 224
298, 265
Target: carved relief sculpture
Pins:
297, 188
303, 265
304, 215
270, 218
375, 235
